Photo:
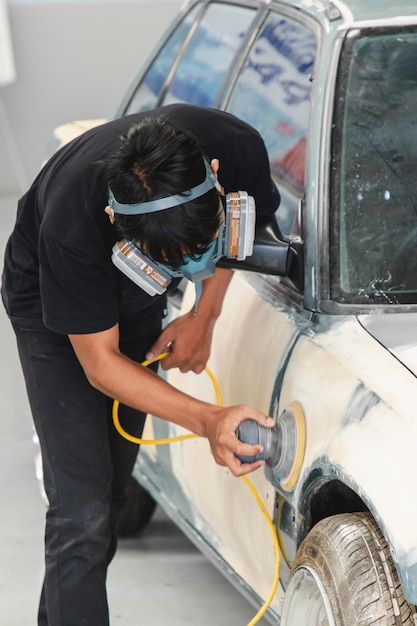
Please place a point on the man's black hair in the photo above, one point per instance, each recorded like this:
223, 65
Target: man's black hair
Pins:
156, 160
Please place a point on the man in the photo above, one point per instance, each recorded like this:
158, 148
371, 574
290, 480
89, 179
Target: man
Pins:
83, 327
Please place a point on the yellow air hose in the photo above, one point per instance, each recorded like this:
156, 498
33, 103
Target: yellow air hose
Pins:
248, 483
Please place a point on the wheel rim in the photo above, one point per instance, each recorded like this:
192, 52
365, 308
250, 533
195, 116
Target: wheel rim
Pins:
306, 601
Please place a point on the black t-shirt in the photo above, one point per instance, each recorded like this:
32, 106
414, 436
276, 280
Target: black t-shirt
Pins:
58, 270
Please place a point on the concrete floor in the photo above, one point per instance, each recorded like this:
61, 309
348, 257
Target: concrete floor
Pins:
158, 578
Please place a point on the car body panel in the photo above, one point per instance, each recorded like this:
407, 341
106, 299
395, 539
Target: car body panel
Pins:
351, 431
351, 371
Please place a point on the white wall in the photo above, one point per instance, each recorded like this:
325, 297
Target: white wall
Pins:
74, 60
7, 68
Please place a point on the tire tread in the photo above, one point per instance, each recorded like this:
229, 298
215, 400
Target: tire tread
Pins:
350, 553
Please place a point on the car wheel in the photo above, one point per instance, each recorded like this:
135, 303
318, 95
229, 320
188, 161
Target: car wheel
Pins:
137, 511
343, 575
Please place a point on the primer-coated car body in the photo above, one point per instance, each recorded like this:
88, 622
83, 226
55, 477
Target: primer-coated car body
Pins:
331, 87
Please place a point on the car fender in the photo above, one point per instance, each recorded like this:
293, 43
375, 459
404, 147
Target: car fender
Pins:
361, 428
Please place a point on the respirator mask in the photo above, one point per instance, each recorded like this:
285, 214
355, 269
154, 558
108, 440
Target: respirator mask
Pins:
234, 240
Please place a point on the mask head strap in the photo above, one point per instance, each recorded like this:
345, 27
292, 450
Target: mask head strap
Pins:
169, 202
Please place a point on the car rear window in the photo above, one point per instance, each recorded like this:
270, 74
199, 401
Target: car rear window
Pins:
209, 55
148, 92
195, 60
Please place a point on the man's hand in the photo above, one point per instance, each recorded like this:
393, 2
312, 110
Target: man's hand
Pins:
224, 443
188, 338
187, 341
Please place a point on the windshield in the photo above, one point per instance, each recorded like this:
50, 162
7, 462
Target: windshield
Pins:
373, 246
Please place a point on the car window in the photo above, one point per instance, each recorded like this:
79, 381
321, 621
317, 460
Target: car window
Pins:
273, 94
208, 57
374, 225
149, 90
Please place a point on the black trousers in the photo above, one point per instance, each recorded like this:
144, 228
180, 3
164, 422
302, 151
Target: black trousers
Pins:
86, 466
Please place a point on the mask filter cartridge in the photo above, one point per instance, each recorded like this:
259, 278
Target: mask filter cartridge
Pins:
240, 225
137, 266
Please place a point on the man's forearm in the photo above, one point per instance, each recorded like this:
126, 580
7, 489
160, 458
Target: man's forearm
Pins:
214, 291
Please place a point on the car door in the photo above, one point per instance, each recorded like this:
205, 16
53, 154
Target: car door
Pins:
262, 317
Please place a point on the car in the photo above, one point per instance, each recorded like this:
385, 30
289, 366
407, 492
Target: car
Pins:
319, 326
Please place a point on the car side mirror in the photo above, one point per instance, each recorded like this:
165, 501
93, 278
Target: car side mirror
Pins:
273, 253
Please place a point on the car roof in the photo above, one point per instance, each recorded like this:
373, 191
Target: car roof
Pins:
380, 9
355, 11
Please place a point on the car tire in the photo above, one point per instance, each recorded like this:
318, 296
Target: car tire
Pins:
137, 511
344, 575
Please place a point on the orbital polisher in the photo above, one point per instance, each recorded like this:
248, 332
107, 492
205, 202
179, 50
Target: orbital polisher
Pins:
283, 445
